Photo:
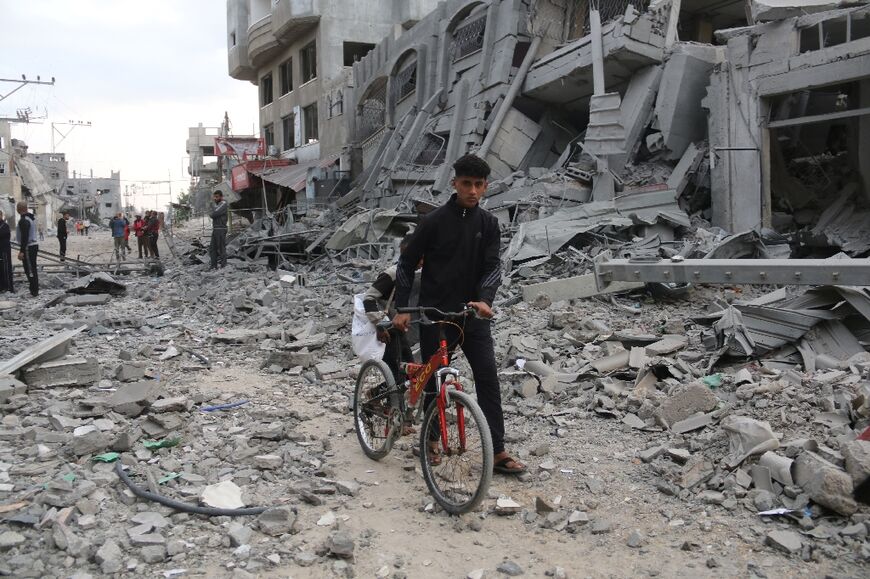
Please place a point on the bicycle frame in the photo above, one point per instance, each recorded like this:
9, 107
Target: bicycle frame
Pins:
420, 374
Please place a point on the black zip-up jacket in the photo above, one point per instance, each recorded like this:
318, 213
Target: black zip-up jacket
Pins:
61, 228
460, 248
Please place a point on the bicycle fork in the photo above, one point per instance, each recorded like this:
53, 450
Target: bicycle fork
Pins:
445, 378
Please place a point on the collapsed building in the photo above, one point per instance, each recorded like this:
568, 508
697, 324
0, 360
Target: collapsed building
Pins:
758, 125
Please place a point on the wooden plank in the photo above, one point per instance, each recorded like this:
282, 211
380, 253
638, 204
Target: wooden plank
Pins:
579, 287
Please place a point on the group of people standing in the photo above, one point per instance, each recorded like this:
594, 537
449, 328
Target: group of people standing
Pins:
146, 230
27, 237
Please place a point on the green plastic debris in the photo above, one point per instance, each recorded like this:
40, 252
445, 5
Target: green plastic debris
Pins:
69, 477
165, 443
106, 457
167, 478
713, 380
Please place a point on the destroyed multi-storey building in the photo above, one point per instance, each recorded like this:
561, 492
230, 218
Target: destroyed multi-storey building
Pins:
299, 53
751, 123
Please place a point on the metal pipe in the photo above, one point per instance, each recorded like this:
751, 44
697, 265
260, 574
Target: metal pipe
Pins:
508, 101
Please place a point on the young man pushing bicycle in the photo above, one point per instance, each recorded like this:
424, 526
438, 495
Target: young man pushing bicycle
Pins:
460, 243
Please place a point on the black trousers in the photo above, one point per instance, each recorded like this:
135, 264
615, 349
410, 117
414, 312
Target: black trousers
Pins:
152, 245
217, 249
478, 349
143, 245
397, 350
62, 242
30, 268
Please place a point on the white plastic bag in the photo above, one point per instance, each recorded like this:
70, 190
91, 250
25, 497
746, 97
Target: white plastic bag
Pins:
364, 334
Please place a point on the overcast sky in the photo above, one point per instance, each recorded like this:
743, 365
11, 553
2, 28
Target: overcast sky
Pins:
140, 72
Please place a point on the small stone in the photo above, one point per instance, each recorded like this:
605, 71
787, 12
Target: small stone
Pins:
543, 506
11, 539
509, 568
87, 522
175, 547
340, 544
542, 449
277, 521
601, 526
223, 495
327, 520
476, 574
154, 519
636, 540
547, 465
268, 461
507, 506
348, 488
239, 535
153, 554
785, 541
109, 556
578, 518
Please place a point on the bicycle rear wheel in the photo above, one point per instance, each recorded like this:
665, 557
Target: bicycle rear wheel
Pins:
460, 482
373, 414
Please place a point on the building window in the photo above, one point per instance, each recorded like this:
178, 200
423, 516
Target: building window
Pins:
309, 62
266, 93
269, 136
55, 175
285, 73
355, 51
309, 121
335, 103
468, 38
406, 81
288, 132
109, 205
2, 168
232, 38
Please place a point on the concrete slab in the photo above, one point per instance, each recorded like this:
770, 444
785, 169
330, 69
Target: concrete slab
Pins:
49, 349
578, 287
88, 300
65, 372
9, 387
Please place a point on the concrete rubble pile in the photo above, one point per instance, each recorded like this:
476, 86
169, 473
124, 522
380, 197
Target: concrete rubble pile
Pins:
739, 412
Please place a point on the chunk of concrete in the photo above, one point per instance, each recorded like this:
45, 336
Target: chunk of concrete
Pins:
692, 399
770, 10
824, 483
10, 387
857, 455
88, 300
65, 372
786, 541
49, 349
684, 82
132, 399
129, 372
578, 287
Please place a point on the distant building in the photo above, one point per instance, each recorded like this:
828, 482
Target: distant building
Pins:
98, 197
53, 166
299, 53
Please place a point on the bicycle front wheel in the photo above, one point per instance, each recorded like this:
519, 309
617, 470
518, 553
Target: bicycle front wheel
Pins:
373, 415
459, 474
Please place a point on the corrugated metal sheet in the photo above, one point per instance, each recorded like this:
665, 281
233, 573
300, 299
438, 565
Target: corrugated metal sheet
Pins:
292, 176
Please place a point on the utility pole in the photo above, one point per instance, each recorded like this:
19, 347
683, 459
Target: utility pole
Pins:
73, 125
21, 84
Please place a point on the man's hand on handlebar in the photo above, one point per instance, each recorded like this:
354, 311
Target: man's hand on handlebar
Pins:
401, 322
482, 308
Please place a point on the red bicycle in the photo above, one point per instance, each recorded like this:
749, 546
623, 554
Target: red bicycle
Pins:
455, 443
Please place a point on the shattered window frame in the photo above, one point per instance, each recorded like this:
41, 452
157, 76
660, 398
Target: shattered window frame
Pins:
308, 56
310, 129
267, 90
285, 73
373, 110
288, 137
269, 135
405, 82
468, 38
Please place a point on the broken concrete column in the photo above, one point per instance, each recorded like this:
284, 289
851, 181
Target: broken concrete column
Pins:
686, 75
824, 483
66, 372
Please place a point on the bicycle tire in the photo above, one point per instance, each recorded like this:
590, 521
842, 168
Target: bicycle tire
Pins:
453, 500
374, 428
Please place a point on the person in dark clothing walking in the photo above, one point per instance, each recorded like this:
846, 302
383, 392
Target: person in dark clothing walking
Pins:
26, 235
152, 228
459, 243
5, 255
217, 249
62, 234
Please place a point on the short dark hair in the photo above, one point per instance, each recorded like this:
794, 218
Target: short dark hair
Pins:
221, 193
471, 166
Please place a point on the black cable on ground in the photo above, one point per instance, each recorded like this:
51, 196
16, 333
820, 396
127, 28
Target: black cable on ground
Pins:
182, 506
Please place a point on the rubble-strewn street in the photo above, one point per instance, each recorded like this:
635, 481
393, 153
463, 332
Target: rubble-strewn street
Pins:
609, 483
668, 199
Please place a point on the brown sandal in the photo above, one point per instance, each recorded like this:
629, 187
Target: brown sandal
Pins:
434, 453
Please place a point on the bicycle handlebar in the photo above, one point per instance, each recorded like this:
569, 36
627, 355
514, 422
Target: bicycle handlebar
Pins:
424, 310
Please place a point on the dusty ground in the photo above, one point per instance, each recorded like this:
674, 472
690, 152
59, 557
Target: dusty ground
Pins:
596, 472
